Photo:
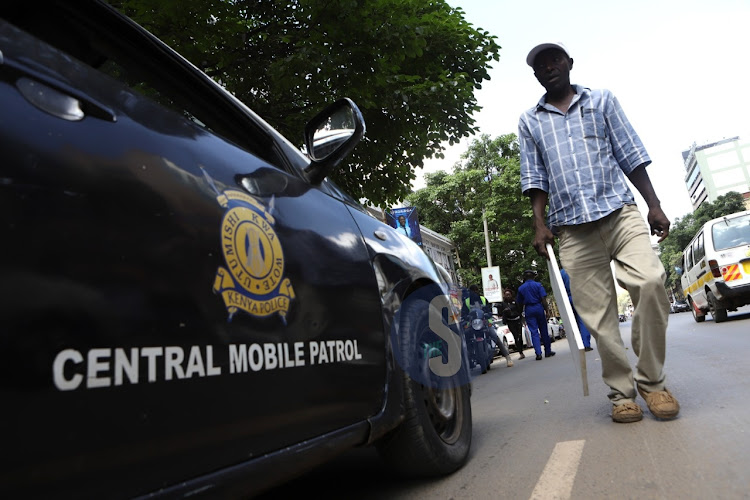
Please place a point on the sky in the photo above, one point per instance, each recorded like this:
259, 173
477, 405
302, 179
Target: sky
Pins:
679, 68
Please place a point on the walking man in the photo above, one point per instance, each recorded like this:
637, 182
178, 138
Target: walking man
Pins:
532, 296
577, 150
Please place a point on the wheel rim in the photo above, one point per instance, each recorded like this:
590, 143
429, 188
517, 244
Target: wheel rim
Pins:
443, 408
443, 405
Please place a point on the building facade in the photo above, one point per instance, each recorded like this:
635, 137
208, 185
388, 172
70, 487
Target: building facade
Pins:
441, 249
714, 169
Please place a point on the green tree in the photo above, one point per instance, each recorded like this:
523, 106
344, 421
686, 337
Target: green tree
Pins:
683, 230
412, 66
485, 183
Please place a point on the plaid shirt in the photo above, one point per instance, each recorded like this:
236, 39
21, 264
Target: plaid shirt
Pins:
580, 158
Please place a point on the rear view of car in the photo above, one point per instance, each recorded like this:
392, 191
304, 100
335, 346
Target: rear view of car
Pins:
716, 267
679, 306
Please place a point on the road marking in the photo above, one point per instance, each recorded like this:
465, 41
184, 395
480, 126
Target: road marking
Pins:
556, 481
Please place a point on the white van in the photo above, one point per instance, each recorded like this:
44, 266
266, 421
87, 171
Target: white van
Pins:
715, 271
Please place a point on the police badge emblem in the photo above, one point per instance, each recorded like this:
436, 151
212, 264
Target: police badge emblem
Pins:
253, 279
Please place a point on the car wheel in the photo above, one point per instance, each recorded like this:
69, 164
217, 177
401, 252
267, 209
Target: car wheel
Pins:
719, 313
699, 318
435, 436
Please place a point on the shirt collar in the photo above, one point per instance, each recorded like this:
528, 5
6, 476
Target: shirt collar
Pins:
580, 91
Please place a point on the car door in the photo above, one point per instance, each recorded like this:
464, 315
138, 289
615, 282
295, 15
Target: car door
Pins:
689, 276
700, 274
176, 297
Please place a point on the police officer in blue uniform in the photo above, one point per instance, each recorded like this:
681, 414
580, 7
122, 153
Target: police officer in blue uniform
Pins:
585, 335
531, 295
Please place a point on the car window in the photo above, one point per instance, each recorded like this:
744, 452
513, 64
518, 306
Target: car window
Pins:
699, 250
150, 71
688, 258
731, 233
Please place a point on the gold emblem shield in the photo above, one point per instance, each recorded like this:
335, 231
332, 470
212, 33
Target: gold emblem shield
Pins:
253, 279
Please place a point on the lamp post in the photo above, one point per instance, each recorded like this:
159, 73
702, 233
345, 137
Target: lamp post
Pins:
486, 239
488, 178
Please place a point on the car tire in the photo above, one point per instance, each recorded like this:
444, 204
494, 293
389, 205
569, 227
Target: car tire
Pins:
719, 313
435, 437
699, 318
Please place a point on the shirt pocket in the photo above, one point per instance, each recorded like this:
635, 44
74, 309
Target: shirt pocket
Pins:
593, 123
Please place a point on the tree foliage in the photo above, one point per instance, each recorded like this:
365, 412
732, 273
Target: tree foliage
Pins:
683, 230
486, 182
412, 66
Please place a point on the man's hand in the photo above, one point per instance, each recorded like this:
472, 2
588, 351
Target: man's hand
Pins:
658, 222
542, 236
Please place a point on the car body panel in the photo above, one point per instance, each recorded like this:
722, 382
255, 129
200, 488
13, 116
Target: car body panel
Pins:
140, 338
555, 329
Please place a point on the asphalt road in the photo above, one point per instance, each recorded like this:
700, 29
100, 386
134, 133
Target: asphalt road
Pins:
537, 436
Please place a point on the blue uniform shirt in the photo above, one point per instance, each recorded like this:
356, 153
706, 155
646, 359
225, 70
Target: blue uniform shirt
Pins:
530, 293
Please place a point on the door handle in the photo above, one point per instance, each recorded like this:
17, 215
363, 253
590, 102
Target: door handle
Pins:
50, 100
61, 104
380, 235
50, 95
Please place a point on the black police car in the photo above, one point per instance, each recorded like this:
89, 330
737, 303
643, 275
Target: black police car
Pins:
187, 306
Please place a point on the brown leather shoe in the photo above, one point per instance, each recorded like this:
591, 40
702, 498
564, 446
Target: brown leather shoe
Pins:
626, 413
661, 403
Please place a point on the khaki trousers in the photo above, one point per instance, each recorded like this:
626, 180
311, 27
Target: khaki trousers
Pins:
586, 251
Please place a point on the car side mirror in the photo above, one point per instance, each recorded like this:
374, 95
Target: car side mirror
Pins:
678, 270
330, 136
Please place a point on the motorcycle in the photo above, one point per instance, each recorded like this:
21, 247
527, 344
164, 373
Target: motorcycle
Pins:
479, 346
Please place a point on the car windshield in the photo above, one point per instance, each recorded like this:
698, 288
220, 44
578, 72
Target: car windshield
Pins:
730, 233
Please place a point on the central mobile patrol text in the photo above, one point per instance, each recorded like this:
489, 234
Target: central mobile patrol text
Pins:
107, 367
